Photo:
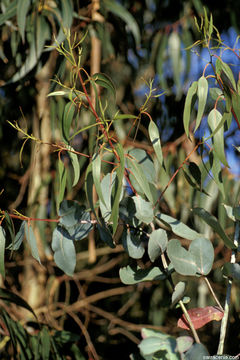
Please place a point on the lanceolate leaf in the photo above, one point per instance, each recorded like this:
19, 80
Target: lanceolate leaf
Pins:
67, 120
2, 250
96, 171
64, 252
217, 172
104, 81
155, 139
10, 11
202, 92
215, 225
117, 9
75, 164
15, 245
7, 295
31, 241
189, 102
22, 10
214, 119
178, 228
62, 176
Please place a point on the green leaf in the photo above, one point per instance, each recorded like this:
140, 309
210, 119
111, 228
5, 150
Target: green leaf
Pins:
184, 343
132, 244
105, 235
196, 352
65, 19
183, 261
225, 74
62, 176
117, 189
153, 344
15, 245
155, 140
131, 275
117, 9
144, 210
214, 119
109, 182
96, 171
189, 102
46, 343
178, 228
203, 251
217, 172
178, 292
2, 251
10, 12
7, 295
75, 164
214, 223
137, 169
202, 92
64, 251
67, 120
104, 81
236, 105
157, 243
31, 241
22, 10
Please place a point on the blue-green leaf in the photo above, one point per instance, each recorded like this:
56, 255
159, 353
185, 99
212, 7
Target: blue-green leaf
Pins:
178, 228
203, 251
189, 102
144, 210
32, 241
75, 164
131, 275
214, 119
157, 243
67, 120
178, 292
62, 176
183, 261
64, 252
202, 92
96, 171
2, 251
9, 12
15, 245
132, 244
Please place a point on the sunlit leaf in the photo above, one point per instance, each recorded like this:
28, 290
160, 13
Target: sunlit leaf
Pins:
214, 119
96, 171
189, 102
22, 10
156, 142
132, 244
178, 292
178, 228
67, 120
202, 92
144, 209
183, 261
75, 164
104, 81
200, 317
203, 251
157, 243
184, 343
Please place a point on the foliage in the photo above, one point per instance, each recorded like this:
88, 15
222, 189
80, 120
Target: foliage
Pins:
108, 176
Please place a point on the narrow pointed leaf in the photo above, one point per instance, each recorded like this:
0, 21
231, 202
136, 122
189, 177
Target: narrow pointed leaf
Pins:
15, 245
215, 225
10, 12
214, 119
7, 295
32, 241
189, 102
67, 120
75, 164
155, 140
96, 171
202, 92
2, 251
104, 81
22, 10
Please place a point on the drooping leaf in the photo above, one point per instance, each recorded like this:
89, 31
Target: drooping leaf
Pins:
157, 243
109, 184
203, 251
200, 317
105, 235
117, 189
155, 140
67, 120
2, 251
75, 164
214, 119
96, 171
64, 251
31, 241
120, 11
215, 225
65, 18
178, 292
189, 102
15, 245
236, 105
178, 228
217, 172
7, 295
104, 81
45, 337
202, 92
144, 209
132, 244
22, 10
62, 176
131, 275
183, 261
225, 74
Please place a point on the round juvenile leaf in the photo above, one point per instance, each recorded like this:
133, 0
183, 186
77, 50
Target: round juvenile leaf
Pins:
64, 252
157, 244
132, 244
183, 261
131, 275
184, 343
178, 228
144, 210
178, 292
196, 352
202, 250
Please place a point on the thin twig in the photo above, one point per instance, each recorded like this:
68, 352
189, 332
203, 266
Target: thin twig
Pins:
212, 292
228, 295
